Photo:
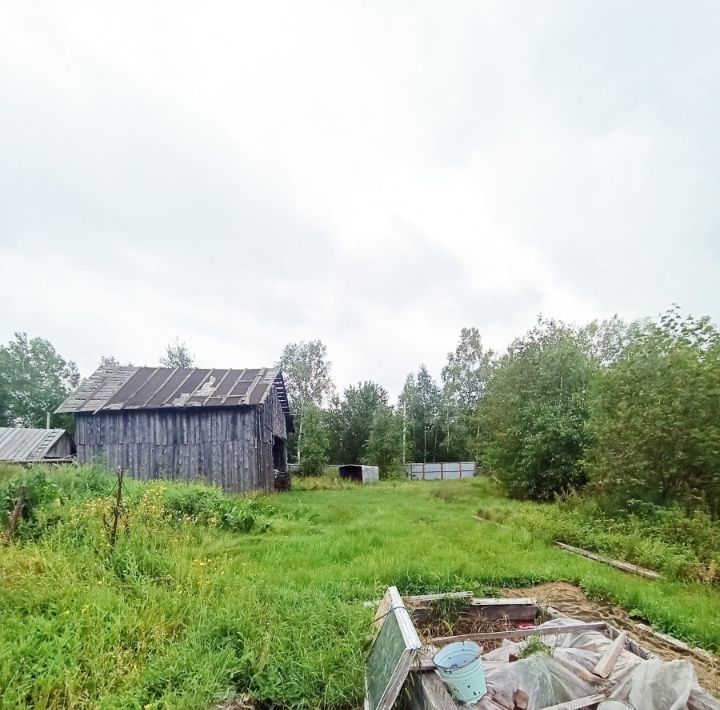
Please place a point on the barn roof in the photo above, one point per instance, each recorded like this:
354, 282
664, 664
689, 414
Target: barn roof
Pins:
25, 445
115, 388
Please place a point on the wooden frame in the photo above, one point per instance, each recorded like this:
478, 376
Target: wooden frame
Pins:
522, 633
392, 604
431, 694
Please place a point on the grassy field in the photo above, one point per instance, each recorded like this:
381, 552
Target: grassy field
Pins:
195, 603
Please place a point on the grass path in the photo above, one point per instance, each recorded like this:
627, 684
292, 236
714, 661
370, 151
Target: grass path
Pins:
180, 617
420, 534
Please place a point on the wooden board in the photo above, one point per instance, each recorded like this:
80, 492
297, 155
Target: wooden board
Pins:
670, 640
513, 609
383, 608
702, 700
391, 655
624, 566
436, 694
604, 666
423, 598
522, 633
504, 601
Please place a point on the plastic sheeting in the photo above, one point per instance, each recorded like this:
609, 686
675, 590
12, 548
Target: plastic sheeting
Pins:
566, 674
658, 685
544, 680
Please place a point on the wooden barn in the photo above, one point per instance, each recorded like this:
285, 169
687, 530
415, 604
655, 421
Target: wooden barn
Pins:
19, 445
227, 427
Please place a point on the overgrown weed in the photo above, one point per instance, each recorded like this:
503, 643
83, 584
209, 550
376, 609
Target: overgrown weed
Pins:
189, 607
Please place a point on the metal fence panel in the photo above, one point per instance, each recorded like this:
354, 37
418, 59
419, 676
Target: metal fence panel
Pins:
437, 470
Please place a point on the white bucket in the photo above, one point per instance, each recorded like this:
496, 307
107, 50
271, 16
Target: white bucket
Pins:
460, 666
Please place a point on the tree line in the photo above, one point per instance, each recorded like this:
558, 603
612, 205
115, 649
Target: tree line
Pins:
628, 410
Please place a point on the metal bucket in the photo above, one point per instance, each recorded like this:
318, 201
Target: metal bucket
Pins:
460, 666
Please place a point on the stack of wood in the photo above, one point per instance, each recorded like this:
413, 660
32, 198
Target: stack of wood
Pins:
282, 480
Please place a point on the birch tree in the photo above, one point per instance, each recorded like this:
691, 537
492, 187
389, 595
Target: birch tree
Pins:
306, 371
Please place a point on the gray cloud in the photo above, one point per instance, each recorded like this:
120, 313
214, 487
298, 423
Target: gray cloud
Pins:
377, 175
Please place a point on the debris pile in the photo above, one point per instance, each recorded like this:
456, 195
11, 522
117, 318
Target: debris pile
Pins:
532, 658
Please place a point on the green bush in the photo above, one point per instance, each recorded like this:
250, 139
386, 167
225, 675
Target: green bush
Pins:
654, 422
313, 442
533, 416
384, 445
77, 496
667, 540
40, 491
191, 500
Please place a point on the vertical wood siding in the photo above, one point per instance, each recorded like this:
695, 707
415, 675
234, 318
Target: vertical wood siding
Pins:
277, 416
61, 449
228, 446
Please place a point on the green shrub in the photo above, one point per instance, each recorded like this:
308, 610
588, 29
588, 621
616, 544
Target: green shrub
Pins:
667, 540
533, 645
81, 498
384, 445
40, 491
533, 415
313, 442
654, 422
195, 501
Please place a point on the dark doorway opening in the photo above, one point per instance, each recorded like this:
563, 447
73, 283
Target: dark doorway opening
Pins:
351, 472
279, 454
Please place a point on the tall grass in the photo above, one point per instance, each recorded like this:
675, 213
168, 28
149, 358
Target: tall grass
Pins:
678, 544
188, 610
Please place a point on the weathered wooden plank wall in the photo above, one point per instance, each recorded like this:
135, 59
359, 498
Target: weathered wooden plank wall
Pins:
277, 416
61, 449
229, 446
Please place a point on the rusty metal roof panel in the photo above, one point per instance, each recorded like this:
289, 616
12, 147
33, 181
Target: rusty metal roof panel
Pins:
165, 387
27, 445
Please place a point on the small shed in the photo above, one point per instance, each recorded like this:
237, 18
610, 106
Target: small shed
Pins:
359, 474
19, 445
223, 426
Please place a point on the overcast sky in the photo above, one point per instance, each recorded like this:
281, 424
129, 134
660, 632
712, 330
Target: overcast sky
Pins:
374, 174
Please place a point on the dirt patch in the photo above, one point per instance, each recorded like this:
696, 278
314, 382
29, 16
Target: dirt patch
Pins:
572, 601
429, 625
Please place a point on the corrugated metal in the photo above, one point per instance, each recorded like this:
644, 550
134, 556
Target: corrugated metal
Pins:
117, 388
441, 470
26, 445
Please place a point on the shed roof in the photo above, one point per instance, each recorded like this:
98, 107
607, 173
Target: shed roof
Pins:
24, 445
115, 388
